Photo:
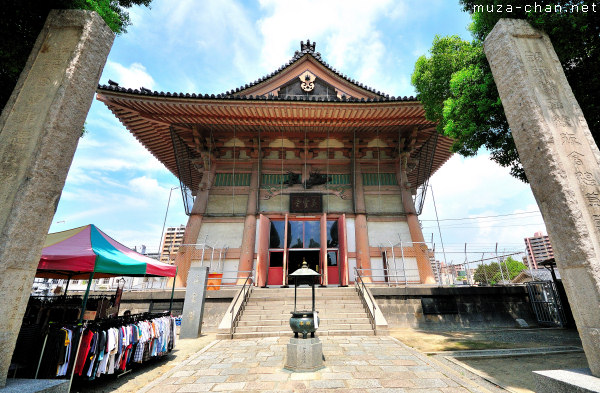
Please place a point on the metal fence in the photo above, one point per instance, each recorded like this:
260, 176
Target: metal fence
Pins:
546, 303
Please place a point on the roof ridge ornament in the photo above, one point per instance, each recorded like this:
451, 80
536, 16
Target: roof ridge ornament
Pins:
308, 47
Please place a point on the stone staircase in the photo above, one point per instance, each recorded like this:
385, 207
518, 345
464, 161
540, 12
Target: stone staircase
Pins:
267, 312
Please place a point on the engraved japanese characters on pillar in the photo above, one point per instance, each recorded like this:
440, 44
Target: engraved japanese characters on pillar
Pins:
561, 160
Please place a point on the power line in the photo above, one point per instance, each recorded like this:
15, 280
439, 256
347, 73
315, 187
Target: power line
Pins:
493, 226
477, 217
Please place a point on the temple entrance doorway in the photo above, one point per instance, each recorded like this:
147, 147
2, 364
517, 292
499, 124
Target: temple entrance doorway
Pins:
286, 241
297, 256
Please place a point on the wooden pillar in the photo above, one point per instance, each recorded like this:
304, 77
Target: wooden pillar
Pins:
324, 280
363, 258
249, 237
285, 252
183, 260
416, 234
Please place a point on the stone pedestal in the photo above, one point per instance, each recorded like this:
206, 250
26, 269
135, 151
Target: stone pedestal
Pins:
304, 355
561, 160
39, 130
567, 381
193, 306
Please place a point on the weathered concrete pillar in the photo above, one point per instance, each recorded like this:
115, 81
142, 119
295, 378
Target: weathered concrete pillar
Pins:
39, 130
560, 159
249, 235
183, 259
193, 306
363, 257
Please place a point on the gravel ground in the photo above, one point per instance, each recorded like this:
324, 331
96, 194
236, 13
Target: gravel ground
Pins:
434, 341
498, 373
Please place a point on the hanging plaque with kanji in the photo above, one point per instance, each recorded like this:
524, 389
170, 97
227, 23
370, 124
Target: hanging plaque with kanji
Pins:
306, 203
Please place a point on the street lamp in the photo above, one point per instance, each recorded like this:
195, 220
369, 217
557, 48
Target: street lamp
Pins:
164, 223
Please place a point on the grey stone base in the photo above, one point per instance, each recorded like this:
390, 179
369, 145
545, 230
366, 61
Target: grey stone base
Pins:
36, 385
578, 380
304, 355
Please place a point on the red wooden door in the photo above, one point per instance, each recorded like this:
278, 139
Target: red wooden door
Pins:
343, 251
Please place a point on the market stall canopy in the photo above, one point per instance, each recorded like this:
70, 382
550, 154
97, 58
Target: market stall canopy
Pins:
77, 252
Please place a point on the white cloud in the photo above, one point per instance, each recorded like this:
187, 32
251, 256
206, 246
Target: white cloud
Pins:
345, 30
147, 186
134, 76
477, 188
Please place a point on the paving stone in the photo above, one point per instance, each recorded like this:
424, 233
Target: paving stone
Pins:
259, 386
179, 374
207, 371
339, 375
221, 365
397, 383
211, 379
327, 384
185, 380
205, 387
364, 383
228, 386
430, 383
429, 374
273, 377
165, 389
303, 376
242, 378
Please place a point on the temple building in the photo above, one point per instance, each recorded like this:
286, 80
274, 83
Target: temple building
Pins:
302, 164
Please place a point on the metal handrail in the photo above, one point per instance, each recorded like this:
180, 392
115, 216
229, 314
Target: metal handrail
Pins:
361, 289
235, 318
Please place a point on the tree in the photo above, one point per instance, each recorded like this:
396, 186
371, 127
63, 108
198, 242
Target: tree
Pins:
457, 90
510, 269
490, 274
21, 22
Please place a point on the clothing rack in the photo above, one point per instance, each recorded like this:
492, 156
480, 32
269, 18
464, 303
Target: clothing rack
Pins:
101, 326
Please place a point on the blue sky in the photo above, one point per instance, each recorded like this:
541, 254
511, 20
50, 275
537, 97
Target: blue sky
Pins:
214, 46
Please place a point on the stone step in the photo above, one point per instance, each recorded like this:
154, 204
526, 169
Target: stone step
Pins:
322, 327
302, 307
285, 322
286, 316
287, 333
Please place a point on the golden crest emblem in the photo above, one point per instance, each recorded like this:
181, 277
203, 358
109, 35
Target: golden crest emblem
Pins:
308, 81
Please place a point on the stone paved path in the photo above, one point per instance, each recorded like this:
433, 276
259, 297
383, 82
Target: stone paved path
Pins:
354, 364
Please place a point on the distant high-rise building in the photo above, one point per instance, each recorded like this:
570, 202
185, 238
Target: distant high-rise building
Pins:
170, 244
538, 248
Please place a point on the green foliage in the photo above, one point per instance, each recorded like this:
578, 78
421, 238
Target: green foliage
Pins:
457, 90
490, 274
21, 22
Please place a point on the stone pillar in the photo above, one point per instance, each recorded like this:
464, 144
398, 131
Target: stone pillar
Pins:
184, 257
363, 257
560, 159
39, 130
249, 236
193, 305
416, 234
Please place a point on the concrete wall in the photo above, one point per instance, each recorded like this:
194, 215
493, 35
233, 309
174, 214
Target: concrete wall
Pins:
226, 204
222, 234
351, 234
278, 203
476, 307
381, 233
383, 203
335, 204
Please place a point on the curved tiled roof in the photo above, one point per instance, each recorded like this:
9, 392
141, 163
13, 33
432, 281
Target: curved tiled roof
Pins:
147, 92
307, 49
